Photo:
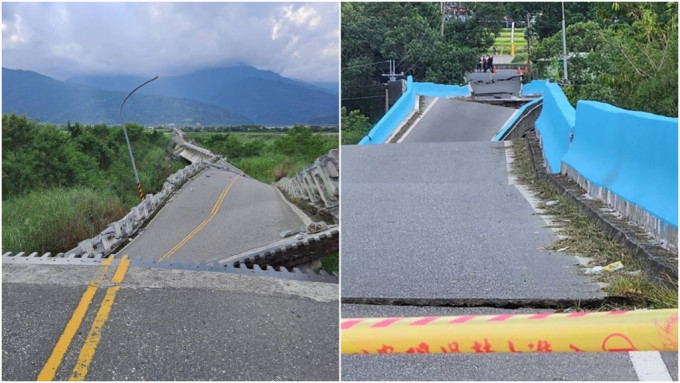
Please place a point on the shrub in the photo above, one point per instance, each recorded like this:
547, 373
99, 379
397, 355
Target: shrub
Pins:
57, 219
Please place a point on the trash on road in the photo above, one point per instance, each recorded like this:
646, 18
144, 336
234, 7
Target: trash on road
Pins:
609, 268
316, 227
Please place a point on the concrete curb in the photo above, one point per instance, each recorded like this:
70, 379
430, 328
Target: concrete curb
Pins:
654, 257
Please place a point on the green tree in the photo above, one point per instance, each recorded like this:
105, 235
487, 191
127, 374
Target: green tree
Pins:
409, 33
354, 126
631, 63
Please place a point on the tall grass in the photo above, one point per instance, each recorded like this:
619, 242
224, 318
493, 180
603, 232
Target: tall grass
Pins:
270, 167
269, 157
57, 219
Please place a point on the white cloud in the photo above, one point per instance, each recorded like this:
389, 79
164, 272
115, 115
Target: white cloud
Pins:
67, 39
13, 32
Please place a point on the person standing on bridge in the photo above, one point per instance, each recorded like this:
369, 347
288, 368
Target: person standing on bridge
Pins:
486, 63
489, 62
480, 63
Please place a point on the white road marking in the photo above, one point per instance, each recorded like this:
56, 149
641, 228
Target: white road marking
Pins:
649, 366
417, 121
526, 192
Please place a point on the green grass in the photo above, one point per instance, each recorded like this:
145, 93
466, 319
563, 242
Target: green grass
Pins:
507, 31
268, 156
585, 238
507, 41
253, 136
56, 220
331, 263
61, 187
270, 167
502, 41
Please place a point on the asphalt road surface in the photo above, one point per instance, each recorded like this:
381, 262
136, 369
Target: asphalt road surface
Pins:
449, 120
439, 218
122, 322
171, 325
249, 214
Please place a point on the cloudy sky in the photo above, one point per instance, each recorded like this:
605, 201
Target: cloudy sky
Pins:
296, 40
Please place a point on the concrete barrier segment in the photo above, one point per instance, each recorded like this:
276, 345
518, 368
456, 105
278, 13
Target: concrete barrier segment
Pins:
613, 331
629, 160
406, 106
111, 237
510, 124
317, 184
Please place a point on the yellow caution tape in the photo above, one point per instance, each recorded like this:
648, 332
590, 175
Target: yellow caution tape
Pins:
612, 331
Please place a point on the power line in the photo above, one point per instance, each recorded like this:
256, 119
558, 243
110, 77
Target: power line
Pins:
422, 33
362, 86
361, 98
361, 65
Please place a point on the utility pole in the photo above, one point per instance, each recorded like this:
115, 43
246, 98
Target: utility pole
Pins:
529, 45
392, 77
564, 46
443, 11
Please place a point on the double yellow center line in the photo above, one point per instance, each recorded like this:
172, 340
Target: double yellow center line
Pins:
49, 370
198, 228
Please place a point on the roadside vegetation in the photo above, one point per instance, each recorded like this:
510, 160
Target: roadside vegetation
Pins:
331, 263
354, 126
585, 238
624, 54
62, 186
627, 57
269, 157
409, 33
502, 42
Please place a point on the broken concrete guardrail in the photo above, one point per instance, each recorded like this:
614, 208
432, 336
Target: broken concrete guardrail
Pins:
190, 152
317, 184
116, 233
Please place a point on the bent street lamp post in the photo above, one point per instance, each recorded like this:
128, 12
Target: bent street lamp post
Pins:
127, 140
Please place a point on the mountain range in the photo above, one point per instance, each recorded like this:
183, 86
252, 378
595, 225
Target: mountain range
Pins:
219, 96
